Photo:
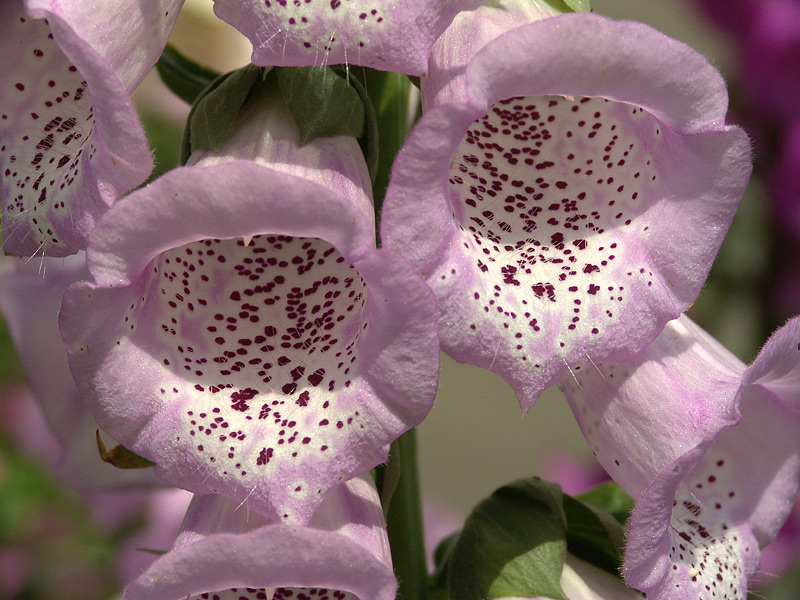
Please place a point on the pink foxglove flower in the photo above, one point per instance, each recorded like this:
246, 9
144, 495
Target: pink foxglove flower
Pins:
224, 552
30, 296
709, 449
389, 36
243, 332
566, 191
70, 139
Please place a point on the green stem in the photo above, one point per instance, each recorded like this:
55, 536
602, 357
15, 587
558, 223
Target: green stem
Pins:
404, 520
389, 93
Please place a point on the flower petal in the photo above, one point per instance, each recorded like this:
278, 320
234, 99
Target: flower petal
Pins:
343, 554
70, 139
721, 492
30, 295
389, 36
560, 214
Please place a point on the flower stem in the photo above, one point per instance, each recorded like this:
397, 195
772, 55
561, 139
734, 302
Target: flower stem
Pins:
404, 520
390, 97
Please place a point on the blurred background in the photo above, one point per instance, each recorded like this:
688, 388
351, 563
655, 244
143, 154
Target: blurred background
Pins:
57, 543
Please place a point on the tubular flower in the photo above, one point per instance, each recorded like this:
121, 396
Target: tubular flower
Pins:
243, 332
70, 139
566, 191
225, 553
30, 295
709, 448
389, 36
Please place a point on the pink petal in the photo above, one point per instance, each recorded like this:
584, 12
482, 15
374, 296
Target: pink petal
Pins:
342, 554
571, 202
389, 36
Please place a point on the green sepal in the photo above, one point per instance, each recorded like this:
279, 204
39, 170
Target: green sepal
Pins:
594, 535
216, 109
368, 140
512, 545
153, 551
121, 457
387, 476
184, 77
322, 103
612, 499
568, 6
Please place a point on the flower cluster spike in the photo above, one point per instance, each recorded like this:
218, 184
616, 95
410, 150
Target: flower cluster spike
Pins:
539, 195
552, 216
246, 335
709, 449
70, 138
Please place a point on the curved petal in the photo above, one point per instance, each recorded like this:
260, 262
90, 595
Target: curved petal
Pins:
389, 36
342, 554
70, 138
720, 492
129, 34
572, 201
636, 438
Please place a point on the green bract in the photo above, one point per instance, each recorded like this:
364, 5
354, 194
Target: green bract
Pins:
322, 103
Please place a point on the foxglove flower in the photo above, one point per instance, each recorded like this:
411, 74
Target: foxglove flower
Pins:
223, 552
389, 36
583, 581
566, 191
243, 332
709, 449
30, 296
70, 139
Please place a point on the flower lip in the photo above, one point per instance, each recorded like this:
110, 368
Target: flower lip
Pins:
220, 547
621, 61
266, 369
550, 192
149, 227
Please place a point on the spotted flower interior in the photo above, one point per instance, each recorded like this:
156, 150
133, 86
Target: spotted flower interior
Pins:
707, 548
263, 335
545, 191
45, 146
390, 36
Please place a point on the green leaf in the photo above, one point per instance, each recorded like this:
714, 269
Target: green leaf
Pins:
594, 535
184, 77
216, 109
578, 5
612, 499
121, 457
322, 103
568, 6
512, 545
